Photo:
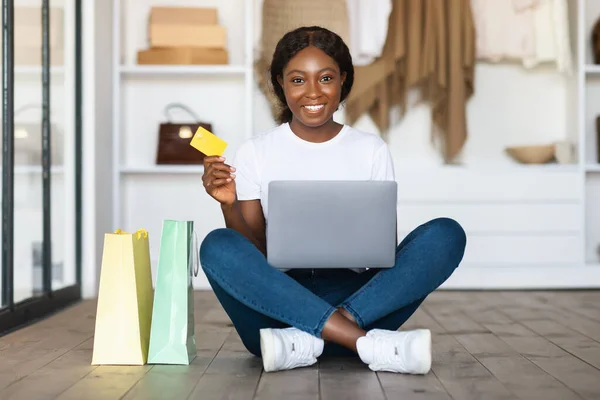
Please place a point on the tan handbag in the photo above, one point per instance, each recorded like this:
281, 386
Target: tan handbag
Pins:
174, 139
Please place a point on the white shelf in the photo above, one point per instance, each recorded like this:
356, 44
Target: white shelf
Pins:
592, 69
143, 70
163, 169
490, 167
36, 70
592, 167
35, 169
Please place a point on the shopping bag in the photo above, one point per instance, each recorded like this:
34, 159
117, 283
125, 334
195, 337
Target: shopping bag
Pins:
172, 333
124, 310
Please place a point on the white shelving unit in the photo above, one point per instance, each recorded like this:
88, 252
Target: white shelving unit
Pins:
592, 69
219, 94
589, 83
523, 233
36, 71
150, 70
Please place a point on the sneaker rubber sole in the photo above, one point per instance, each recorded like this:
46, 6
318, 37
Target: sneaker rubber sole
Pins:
423, 348
267, 349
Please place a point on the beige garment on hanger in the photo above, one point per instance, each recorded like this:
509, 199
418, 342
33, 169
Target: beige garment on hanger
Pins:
430, 46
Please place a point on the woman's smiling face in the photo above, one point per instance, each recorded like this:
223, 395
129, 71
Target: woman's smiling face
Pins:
312, 84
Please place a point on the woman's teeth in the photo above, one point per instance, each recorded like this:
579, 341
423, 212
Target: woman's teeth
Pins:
314, 108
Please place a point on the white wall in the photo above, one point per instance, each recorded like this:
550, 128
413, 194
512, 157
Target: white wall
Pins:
97, 143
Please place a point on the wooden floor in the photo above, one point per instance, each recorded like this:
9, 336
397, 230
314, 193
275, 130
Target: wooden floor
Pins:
491, 345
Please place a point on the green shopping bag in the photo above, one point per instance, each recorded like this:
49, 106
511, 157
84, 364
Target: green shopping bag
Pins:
172, 331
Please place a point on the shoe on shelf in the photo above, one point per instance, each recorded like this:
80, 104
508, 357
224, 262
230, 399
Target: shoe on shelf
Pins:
288, 348
407, 352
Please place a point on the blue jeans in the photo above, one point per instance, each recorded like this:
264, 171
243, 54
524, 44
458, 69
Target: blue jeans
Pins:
255, 295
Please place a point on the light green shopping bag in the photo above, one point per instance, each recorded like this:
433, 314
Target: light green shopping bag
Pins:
172, 332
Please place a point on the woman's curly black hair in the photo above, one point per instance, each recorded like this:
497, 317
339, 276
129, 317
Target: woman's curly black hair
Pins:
294, 41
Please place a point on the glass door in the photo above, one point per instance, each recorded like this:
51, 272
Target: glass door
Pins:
41, 158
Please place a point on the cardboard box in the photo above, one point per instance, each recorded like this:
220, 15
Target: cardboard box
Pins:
28, 27
32, 56
183, 16
210, 36
183, 56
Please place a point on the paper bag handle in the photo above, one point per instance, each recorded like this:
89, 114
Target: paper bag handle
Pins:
194, 255
138, 233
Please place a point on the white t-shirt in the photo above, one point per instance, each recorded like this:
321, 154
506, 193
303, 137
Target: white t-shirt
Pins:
279, 154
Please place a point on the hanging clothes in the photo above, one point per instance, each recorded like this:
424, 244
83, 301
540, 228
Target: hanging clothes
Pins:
430, 46
505, 29
551, 36
538, 33
368, 24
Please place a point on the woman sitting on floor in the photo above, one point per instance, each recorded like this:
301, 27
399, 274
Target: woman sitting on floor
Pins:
292, 318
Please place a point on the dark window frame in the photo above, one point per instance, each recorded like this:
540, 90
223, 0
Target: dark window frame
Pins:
15, 315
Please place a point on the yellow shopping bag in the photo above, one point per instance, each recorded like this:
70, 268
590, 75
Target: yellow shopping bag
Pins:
125, 297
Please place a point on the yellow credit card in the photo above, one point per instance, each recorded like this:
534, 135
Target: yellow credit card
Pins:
207, 143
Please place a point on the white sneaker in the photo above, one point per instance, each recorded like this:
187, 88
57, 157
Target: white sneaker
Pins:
288, 348
406, 352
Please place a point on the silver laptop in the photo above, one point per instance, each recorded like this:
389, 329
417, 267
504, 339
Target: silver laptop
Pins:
331, 224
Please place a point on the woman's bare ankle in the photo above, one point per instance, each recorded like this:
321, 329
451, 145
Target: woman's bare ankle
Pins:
346, 314
341, 330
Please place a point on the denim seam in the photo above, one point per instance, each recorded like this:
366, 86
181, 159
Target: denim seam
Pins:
355, 315
323, 320
225, 285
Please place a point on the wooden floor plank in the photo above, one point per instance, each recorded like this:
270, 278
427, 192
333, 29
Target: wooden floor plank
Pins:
178, 381
61, 333
582, 303
106, 382
420, 319
577, 375
451, 317
298, 384
232, 374
38, 331
517, 373
170, 381
486, 345
571, 341
412, 387
348, 378
462, 375
54, 378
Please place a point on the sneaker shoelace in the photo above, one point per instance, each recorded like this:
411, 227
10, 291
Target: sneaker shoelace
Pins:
300, 347
389, 350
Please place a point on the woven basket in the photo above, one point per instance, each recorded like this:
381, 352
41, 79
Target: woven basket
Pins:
282, 16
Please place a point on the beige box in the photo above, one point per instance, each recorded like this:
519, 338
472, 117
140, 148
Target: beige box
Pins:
210, 36
32, 56
183, 16
28, 27
183, 56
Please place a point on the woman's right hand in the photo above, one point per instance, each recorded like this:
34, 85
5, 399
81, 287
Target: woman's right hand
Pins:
219, 180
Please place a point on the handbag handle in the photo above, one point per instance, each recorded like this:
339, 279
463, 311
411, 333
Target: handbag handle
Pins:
180, 106
28, 107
